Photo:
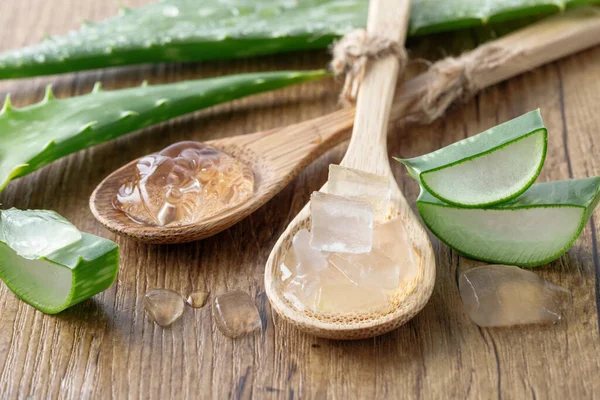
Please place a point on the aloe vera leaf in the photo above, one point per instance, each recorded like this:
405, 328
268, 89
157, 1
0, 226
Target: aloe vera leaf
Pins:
72, 271
429, 16
190, 30
34, 136
489, 168
531, 230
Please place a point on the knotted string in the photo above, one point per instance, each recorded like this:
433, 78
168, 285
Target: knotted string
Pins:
350, 56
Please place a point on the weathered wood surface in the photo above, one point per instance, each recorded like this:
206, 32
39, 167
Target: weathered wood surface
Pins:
106, 347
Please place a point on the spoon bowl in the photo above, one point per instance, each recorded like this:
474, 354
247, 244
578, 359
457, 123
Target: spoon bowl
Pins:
407, 300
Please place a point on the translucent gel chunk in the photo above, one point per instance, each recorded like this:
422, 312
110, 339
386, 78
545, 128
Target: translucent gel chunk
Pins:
369, 269
308, 259
196, 298
348, 298
184, 183
236, 314
392, 240
36, 233
359, 185
502, 295
341, 225
164, 306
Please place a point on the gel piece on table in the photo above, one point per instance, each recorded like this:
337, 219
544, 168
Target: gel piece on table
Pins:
164, 306
359, 185
341, 225
502, 295
236, 314
196, 298
33, 234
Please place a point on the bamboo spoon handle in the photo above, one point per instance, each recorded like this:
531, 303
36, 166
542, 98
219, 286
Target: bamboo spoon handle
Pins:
368, 146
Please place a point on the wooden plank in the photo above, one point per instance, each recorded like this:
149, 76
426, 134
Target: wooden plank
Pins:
106, 347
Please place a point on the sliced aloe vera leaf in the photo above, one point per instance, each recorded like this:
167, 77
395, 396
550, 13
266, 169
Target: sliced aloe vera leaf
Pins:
74, 270
489, 168
528, 231
36, 135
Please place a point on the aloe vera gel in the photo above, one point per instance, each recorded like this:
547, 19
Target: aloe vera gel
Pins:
356, 254
49, 264
495, 214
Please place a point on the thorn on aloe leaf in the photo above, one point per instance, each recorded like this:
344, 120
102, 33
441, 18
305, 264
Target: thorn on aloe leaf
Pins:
129, 113
161, 102
49, 96
97, 87
144, 83
86, 23
88, 126
7, 105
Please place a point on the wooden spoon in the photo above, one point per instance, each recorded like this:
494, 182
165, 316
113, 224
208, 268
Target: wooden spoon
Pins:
368, 152
276, 157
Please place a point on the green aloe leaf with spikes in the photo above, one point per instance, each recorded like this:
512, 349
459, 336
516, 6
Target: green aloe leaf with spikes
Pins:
191, 30
34, 136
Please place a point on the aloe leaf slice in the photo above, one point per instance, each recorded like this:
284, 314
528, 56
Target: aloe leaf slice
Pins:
49, 264
34, 136
489, 168
192, 30
528, 231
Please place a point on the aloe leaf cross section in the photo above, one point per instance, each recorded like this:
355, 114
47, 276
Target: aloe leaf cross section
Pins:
531, 230
486, 169
33, 136
49, 264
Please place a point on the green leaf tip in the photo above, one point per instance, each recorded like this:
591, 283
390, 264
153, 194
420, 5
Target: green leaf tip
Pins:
7, 107
49, 264
49, 95
97, 87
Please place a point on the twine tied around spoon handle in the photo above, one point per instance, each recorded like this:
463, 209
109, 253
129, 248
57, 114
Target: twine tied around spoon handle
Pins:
455, 79
351, 54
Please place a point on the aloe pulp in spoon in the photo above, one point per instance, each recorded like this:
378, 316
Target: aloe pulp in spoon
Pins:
49, 264
528, 231
489, 168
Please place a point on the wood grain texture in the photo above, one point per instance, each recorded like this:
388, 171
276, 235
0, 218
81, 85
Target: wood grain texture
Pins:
107, 348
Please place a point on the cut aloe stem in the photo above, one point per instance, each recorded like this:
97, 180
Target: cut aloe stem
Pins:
489, 168
49, 264
192, 30
34, 136
528, 231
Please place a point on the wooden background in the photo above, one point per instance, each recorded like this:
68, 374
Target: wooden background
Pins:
106, 347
